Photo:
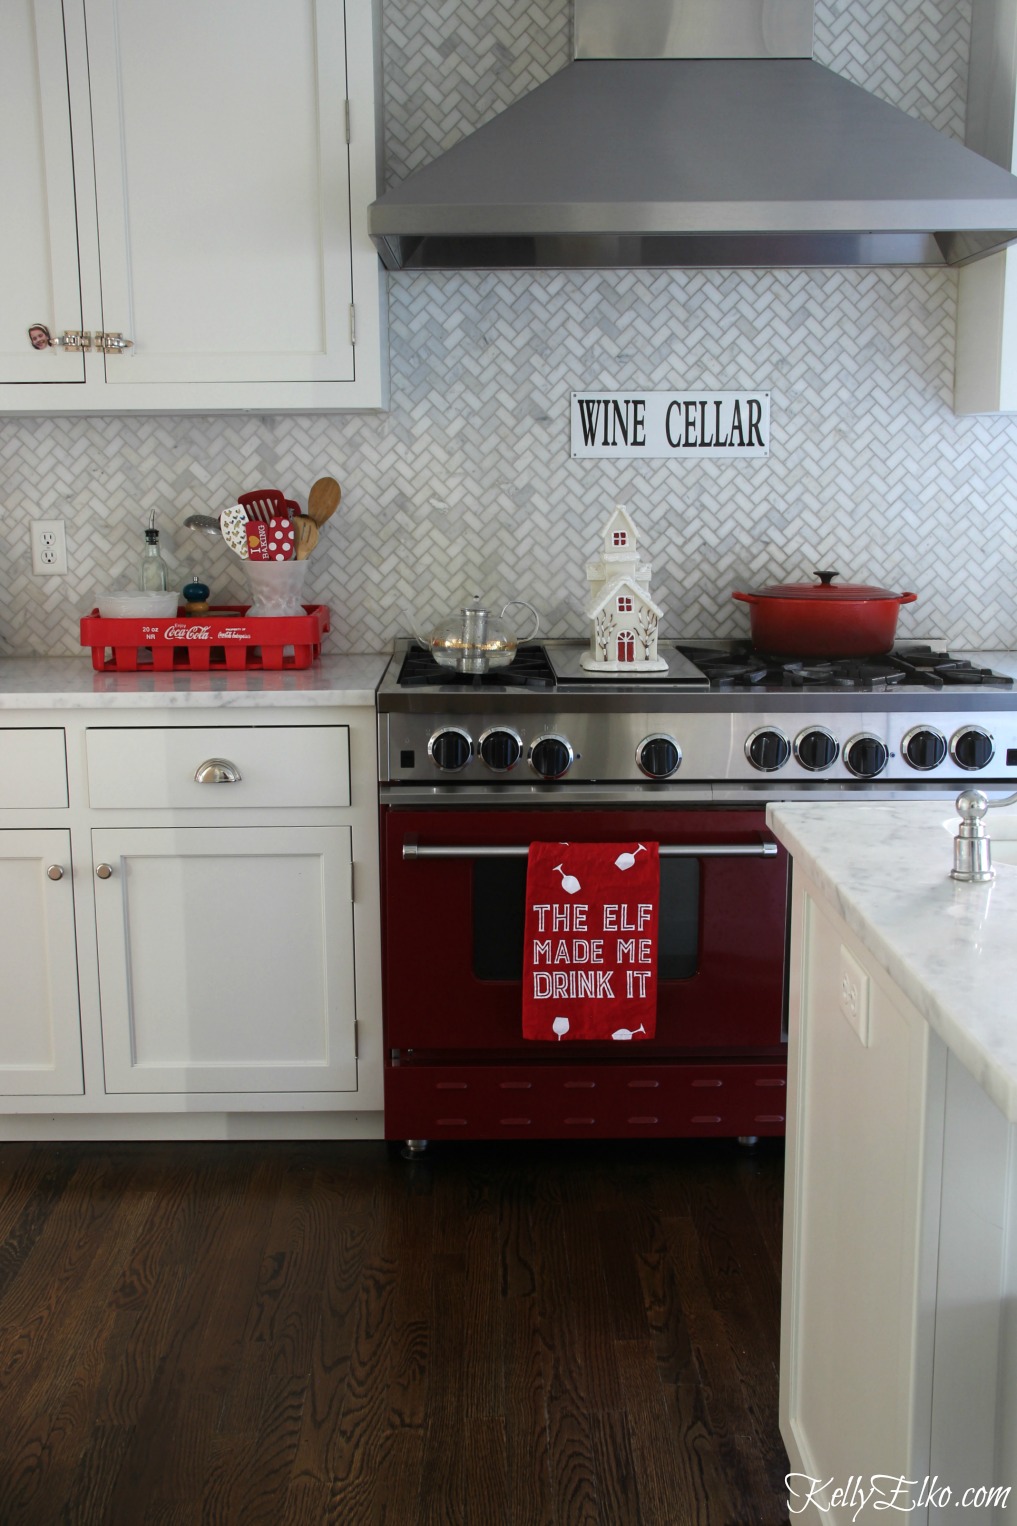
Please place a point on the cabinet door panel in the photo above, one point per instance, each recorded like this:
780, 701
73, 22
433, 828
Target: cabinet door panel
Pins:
40, 1032
38, 230
226, 959
854, 1386
222, 186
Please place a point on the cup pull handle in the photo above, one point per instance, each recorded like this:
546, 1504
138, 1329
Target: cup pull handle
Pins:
217, 771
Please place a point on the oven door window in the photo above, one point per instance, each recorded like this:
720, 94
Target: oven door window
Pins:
499, 909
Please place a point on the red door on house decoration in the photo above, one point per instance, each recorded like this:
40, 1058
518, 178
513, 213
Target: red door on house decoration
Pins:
626, 646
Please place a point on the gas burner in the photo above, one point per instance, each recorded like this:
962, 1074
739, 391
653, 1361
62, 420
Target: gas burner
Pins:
939, 668
529, 669
738, 666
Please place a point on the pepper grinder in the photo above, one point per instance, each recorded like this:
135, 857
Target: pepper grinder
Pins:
196, 596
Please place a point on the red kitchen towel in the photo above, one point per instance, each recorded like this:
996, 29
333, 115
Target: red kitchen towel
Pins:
590, 958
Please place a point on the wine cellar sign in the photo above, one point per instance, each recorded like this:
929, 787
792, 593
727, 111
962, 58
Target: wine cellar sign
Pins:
678, 425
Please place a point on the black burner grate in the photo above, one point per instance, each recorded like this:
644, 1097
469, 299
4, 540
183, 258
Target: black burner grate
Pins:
529, 669
739, 666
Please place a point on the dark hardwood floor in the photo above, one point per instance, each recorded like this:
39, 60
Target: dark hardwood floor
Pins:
289, 1334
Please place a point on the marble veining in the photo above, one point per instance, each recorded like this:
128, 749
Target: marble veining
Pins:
950, 947
71, 683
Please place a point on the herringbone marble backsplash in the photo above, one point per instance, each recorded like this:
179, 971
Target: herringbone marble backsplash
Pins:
467, 483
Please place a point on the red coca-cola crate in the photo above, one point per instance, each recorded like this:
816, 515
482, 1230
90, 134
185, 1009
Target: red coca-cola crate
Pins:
222, 638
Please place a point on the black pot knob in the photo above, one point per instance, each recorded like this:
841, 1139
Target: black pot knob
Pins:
767, 749
501, 750
972, 748
866, 757
815, 749
659, 756
924, 748
450, 750
551, 757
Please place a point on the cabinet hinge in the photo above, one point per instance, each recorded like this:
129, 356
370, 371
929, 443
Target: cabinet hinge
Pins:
353, 882
353, 324
113, 344
75, 339
349, 130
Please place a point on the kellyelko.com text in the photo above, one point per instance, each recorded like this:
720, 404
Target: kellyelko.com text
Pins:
886, 1491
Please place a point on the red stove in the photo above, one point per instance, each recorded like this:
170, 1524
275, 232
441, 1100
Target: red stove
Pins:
474, 768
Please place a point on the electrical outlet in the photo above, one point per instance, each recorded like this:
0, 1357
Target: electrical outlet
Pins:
854, 994
49, 547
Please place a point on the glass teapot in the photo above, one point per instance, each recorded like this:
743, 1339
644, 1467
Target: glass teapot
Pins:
474, 640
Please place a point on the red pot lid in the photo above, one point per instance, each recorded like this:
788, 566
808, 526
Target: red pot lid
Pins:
826, 590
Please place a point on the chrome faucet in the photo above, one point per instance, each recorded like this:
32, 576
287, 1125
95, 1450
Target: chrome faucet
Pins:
972, 847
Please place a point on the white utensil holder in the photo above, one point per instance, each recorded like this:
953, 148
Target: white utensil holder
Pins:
277, 588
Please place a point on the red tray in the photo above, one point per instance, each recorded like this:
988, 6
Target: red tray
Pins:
223, 638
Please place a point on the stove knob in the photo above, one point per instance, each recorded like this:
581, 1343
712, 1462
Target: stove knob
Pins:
866, 757
659, 756
767, 749
815, 749
551, 757
501, 750
923, 748
450, 750
971, 748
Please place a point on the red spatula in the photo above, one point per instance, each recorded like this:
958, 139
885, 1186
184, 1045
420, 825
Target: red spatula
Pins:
264, 503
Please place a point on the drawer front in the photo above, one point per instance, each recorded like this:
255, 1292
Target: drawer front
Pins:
33, 768
155, 767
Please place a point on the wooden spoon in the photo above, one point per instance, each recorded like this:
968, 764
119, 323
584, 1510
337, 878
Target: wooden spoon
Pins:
323, 500
306, 532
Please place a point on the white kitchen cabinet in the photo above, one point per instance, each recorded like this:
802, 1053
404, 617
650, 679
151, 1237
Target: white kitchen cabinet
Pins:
194, 179
898, 1345
855, 1379
177, 948
226, 959
40, 1032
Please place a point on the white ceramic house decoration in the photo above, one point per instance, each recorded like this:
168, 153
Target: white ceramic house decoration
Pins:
625, 619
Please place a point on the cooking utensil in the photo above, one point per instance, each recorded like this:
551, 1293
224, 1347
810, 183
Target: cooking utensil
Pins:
474, 640
206, 522
271, 542
323, 500
306, 532
264, 503
233, 523
823, 619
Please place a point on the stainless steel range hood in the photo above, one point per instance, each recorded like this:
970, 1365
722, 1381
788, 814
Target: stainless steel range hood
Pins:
697, 133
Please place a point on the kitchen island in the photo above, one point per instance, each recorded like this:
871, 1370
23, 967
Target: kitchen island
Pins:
189, 877
899, 1342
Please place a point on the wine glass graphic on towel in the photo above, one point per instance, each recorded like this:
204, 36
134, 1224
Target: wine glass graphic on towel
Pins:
569, 883
626, 860
560, 1026
627, 1033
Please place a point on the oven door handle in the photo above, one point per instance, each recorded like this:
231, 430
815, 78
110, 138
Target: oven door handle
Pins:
760, 849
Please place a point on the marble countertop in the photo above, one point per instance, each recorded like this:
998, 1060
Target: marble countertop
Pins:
950, 947
71, 683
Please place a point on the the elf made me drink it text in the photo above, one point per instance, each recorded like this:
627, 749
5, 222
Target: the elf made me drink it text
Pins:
572, 960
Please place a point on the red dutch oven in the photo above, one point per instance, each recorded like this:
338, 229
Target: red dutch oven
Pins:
823, 620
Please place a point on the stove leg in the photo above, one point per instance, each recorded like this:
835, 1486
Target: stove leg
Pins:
748, 1140
413, 1149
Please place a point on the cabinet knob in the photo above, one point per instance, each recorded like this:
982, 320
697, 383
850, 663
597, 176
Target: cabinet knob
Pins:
217, 771
55, 872
103, 871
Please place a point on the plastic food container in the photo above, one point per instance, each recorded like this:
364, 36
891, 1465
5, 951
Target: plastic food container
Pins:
138, 603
